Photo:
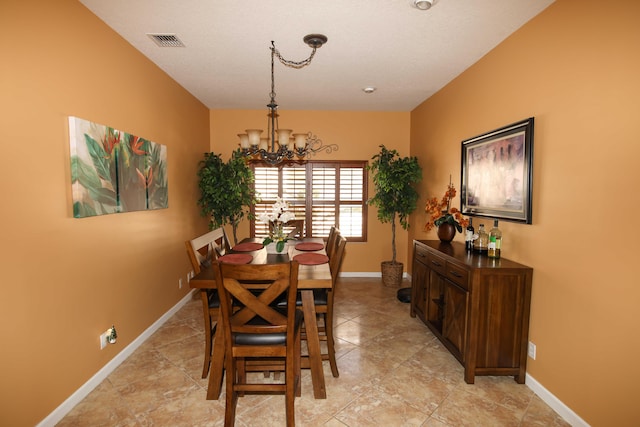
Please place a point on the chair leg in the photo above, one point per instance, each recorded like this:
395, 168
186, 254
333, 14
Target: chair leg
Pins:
208, 334
241, 373
328, 325
217, 367
297, 365
292, 368
290, 409
231, 400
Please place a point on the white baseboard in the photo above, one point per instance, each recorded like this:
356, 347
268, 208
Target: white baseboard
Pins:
556, 404
368, 274
54, 417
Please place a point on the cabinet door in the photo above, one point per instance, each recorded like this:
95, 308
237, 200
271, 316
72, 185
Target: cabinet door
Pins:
419, 282
454, 328
435, 300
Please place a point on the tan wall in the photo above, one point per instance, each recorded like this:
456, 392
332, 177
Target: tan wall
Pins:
358, 135
66, 280
575, 68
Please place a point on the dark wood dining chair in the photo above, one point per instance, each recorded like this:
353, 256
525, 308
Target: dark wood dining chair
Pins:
294, 228
297, 226
323, 299
330, 248
259, 330
202, 251
323, 302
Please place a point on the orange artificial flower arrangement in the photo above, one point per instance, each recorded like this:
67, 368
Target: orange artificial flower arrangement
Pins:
442, 212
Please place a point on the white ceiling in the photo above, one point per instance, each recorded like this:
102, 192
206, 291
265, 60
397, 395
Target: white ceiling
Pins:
406, 53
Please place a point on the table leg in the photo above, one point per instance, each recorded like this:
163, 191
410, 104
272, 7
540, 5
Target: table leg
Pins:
313, 344
217, 364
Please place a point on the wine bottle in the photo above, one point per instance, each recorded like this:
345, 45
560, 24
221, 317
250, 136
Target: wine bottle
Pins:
468, 238
482, 241
495, 241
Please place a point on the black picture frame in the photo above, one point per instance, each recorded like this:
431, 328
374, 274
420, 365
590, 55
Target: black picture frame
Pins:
497, 173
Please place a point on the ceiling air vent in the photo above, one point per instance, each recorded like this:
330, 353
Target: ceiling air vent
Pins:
166, 40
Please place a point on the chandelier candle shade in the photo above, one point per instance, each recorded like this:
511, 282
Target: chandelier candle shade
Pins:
282, 145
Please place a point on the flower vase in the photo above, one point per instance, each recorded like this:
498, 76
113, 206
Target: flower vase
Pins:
446, 232
271, 248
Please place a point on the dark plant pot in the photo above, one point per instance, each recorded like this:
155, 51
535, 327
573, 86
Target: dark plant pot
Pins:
391, 273
446, 232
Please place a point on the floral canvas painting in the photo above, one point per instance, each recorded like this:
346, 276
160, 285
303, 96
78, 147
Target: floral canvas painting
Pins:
113, 171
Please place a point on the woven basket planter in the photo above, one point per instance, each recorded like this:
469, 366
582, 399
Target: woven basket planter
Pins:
391, 273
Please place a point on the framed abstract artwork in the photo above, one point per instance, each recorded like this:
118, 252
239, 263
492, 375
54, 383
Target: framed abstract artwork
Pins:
497, 173
113, 171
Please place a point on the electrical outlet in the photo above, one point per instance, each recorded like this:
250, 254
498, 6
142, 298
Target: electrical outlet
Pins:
180, 283
531, 351
103, 339
190, 276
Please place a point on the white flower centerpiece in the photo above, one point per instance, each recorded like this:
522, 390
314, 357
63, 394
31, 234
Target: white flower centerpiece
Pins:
278, 216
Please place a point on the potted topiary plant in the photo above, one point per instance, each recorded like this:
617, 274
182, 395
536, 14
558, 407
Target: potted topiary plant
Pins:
394, 178
226, 190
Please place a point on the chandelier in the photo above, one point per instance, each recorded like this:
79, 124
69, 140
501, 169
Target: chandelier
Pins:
282, 145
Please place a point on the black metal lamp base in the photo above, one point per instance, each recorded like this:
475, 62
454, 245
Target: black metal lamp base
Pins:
404, 295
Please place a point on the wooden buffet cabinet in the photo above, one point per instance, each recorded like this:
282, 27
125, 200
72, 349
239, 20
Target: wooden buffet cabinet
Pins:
477, 306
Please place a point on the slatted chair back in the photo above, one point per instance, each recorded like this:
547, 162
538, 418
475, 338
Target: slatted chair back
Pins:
331, 241
203, 249
335, 262
294, 229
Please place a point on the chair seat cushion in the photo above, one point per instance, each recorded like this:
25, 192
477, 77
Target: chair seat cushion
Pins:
265, 339
319, 298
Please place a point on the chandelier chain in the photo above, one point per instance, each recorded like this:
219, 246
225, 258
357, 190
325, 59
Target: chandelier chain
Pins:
291, 64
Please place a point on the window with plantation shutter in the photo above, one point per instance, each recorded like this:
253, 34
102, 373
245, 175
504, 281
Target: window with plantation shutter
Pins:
322, 193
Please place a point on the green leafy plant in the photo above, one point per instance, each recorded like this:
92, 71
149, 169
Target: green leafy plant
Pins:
226, 190
394, 178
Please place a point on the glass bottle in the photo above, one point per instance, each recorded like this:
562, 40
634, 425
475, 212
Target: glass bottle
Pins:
468, 238
482, 241
495, 241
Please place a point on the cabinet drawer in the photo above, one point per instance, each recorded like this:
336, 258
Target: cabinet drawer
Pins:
436, 263
420, 254
458, 275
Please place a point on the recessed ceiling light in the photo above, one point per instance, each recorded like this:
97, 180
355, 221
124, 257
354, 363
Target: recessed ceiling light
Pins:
369, 89
423, 4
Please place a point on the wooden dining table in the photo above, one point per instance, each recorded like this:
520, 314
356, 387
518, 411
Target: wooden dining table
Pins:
310, 277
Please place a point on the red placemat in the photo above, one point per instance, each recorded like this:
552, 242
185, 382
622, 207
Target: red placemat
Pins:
311, 259
309, 246
248, 247
236, 259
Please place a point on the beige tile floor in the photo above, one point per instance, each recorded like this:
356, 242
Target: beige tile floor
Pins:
393, 372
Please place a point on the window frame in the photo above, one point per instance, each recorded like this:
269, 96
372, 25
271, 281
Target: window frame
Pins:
309, 202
